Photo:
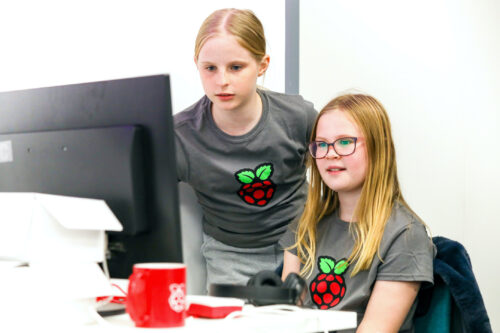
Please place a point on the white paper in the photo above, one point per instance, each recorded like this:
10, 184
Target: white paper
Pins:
80, 213
49, 228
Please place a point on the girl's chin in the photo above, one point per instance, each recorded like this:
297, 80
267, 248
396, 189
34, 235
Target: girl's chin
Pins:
224, 105
345, 188
337, 186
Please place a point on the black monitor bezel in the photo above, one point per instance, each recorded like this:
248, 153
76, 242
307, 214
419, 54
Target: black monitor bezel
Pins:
139, 101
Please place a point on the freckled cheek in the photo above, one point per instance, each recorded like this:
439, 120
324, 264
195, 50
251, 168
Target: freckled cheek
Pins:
320, 165
359, 167
204, 79
208, 84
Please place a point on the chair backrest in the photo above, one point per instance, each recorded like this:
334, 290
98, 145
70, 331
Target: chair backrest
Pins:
455, 303
437, 316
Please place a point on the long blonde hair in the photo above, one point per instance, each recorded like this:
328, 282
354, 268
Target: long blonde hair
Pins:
241, 23
380, 188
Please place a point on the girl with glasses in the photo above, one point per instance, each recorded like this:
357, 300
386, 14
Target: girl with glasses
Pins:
358, 243
242, 149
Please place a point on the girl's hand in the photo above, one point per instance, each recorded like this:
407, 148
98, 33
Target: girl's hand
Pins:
388, 306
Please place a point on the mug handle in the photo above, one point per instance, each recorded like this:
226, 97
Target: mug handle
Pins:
136, 288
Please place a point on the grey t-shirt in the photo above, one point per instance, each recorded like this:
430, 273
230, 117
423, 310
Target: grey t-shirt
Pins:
250, 186
406, 250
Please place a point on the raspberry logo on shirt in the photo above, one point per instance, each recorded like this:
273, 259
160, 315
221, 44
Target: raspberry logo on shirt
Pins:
257, 188
328, 287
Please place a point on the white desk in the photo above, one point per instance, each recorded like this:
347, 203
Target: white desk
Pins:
299, 321
253, 319
30, 312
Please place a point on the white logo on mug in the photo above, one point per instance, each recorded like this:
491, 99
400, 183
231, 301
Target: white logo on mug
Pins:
177, 299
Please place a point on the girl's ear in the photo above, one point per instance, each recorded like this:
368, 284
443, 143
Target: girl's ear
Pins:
264, 64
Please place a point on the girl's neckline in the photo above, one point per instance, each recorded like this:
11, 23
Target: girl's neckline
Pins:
337, 215
251, 133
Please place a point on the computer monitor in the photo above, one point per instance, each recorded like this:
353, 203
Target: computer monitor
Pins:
110, 140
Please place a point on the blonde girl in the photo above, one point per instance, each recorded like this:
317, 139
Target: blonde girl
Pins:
242, 149
358, 244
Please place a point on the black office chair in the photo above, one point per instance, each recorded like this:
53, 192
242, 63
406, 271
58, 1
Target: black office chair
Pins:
454, 303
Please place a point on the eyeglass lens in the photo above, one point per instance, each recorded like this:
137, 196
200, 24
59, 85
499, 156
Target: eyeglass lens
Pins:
342, 146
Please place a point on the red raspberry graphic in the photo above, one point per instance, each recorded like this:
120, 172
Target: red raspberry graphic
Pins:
257, 188
327, 288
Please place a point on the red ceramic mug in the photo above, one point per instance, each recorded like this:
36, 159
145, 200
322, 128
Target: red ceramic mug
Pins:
157, 295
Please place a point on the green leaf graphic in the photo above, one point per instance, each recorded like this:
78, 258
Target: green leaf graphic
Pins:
246, 176
341, 266
326, 264
264, 171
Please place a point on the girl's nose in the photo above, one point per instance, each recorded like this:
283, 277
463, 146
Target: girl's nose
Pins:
332, 153
222, 78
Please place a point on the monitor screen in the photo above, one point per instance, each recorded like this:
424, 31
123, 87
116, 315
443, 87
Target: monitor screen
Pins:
110, 140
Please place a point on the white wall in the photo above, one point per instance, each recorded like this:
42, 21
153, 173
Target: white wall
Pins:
435, 66
54, 42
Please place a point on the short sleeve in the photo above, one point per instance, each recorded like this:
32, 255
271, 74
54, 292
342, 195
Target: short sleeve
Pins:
181, 160
288, 238
409, 257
